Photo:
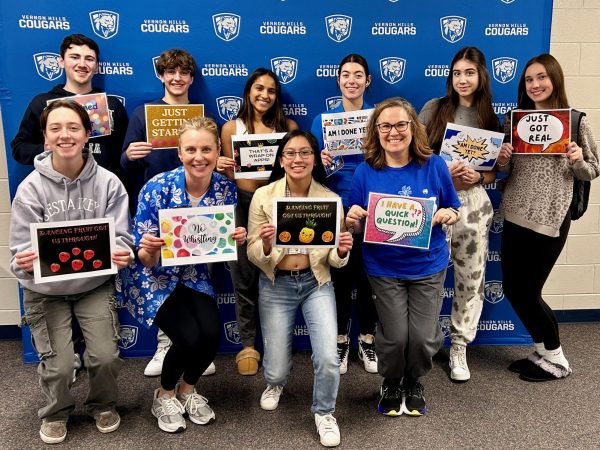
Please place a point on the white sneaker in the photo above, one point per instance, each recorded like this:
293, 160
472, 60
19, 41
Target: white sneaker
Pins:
366, 352
154, 367
328, 430
269, 400
210, 370
196, 407
169, 413
459, 370
343, 348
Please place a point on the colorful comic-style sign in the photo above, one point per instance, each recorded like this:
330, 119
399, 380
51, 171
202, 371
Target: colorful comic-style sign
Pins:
541, 132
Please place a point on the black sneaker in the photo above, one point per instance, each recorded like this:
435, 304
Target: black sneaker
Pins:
415, 401
390, 403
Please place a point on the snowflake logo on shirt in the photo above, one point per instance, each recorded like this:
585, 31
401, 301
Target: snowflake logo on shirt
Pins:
406, 191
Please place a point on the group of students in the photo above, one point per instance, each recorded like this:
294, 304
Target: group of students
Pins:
402, 286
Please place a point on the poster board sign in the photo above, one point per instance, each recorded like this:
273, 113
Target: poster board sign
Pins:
96, 105
344, 132
474, 147
197, 235
399, 220
163, 123
254, 154
541, 132
73, 249
303, 222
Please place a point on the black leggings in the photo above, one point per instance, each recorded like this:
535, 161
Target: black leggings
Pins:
191, 320
527, 260
344, 280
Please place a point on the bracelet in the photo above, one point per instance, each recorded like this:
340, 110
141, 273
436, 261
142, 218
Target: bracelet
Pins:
505, 164
455, 211
481, 178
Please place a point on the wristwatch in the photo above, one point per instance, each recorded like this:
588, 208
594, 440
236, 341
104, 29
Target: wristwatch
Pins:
481, 178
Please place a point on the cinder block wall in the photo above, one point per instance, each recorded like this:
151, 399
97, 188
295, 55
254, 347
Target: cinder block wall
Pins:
575, 281
575, 42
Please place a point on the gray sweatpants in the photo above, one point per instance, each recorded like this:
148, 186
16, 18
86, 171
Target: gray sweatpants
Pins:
408, 333
49, 318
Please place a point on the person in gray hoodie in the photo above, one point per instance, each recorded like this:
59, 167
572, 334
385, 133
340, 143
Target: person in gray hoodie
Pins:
68, 184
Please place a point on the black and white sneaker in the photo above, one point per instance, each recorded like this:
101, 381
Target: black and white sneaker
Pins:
414, 402
390, 403
343, 349
366, 353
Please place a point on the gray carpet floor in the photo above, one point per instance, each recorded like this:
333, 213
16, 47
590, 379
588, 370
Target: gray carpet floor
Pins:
493, 410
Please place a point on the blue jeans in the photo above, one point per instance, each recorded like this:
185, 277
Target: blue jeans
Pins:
278, 303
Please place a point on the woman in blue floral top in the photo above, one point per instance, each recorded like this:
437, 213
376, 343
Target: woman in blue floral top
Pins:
180, 299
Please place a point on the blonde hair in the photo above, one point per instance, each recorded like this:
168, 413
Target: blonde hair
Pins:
200, 123
419, 146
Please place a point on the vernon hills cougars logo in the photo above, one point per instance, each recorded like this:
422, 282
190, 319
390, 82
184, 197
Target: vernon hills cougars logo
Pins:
453, 28
228, 107
333, 102
505, 69
105, 23
507, 1
493, 292
392, 69
47, 65
497, 222
128, 335
285, 68
445, 325
232, 333
227, 26
338, 27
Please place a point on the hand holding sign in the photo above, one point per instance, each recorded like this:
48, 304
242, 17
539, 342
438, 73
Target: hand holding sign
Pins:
398, 220
399, 217
541, 132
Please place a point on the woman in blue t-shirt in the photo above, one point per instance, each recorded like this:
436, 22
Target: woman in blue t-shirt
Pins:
353, 78
406, 282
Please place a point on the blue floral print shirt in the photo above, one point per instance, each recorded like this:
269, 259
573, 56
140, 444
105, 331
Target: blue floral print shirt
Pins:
143, 290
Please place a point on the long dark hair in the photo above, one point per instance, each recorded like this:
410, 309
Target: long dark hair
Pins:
558, 98
318, 172
482, 99
274, 117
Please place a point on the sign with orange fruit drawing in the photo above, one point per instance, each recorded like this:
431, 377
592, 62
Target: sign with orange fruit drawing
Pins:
73, 249
96, 105
163, 123
307, 222
254, 154
541, 132
197, 235
399, 220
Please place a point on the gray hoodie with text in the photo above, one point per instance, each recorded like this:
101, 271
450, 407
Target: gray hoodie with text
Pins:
48, 196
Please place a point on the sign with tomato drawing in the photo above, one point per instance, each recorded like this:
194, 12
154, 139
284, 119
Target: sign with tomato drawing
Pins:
399, 220
541, 132
73, 249
197, 235
302, 222
254, 155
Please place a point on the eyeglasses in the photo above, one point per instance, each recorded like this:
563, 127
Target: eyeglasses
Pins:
291, 154
399, 126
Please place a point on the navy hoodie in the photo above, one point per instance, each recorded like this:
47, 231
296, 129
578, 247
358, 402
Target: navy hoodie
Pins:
29, 141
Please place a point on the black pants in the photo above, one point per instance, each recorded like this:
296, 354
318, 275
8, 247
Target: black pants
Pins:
191, 320
527, 260
344, 280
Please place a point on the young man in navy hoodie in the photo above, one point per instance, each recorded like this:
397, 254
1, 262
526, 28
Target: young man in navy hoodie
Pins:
79, 59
